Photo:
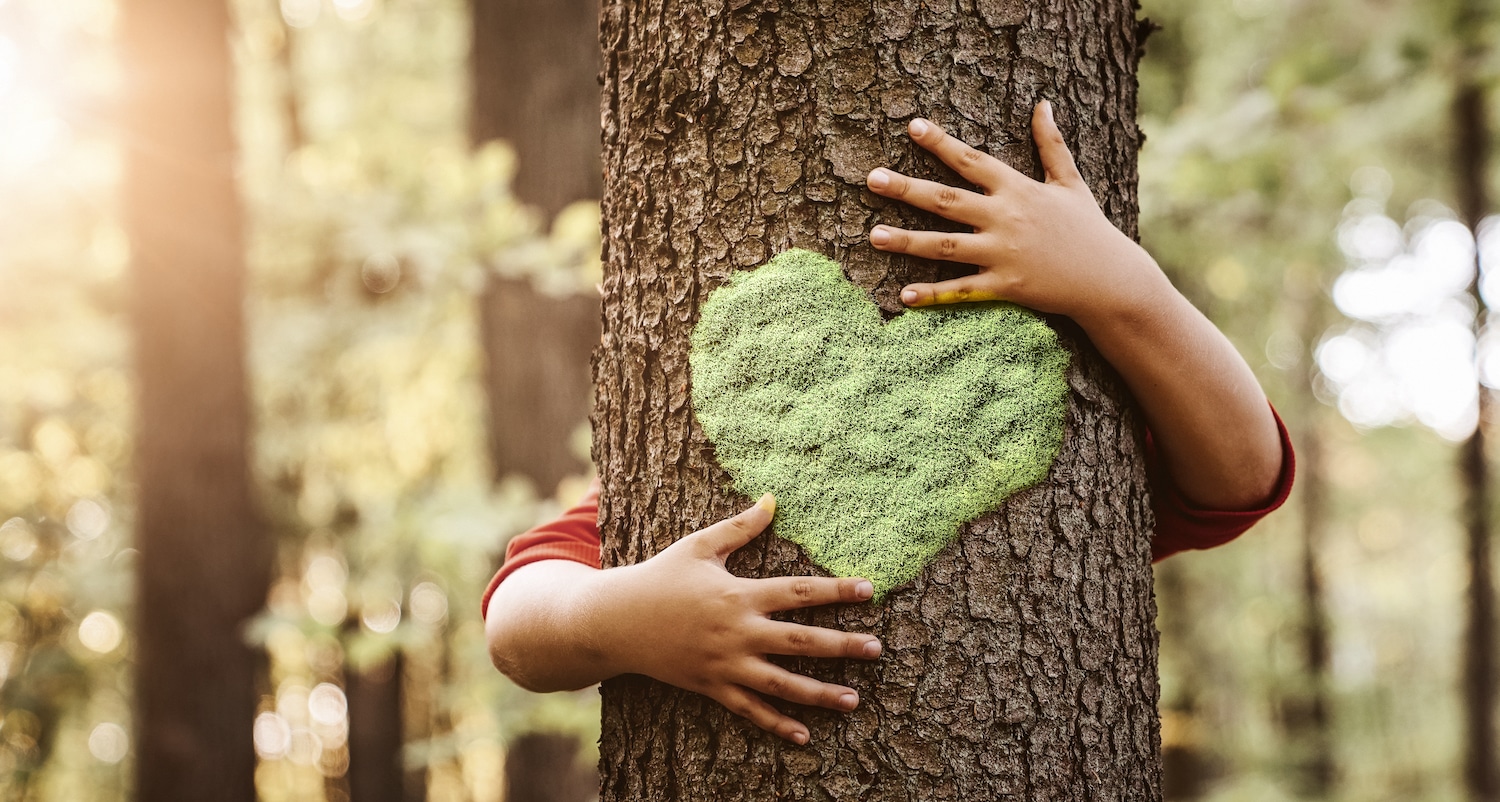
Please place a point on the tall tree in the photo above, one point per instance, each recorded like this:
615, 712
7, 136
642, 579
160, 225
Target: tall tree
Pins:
1471, 152
204, 562
534, 69
1022, 662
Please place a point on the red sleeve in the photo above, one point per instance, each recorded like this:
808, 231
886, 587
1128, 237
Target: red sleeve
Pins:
1180, 526
574, 536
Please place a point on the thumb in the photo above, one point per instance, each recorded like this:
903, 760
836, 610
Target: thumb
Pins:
967, 288
728, 535
1057, 160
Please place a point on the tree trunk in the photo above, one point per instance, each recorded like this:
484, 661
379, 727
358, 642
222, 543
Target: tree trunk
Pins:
544, 767
536, 355
1312, 730
376, 773
204, 562
1471, 164
534, 68
1022, 662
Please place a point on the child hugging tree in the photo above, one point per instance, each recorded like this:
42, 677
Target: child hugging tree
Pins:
1218, 458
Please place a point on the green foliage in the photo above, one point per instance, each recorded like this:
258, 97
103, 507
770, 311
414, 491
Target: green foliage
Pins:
878, 440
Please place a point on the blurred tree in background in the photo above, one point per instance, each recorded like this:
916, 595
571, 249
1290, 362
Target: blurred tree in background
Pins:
1298, 182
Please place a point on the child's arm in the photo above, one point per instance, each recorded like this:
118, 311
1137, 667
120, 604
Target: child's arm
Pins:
1049, 247
678, 617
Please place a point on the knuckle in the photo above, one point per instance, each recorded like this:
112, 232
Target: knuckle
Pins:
777, 686
803, 589
969, 155
947, 198
947, 246
798, 639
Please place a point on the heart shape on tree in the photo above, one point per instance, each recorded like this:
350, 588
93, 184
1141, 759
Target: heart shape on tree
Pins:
878, 439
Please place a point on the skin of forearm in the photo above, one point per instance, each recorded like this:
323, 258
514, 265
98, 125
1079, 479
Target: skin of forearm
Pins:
1209, 418
542, 626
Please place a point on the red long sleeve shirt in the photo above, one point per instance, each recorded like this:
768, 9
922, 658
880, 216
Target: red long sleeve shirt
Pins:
1179, 525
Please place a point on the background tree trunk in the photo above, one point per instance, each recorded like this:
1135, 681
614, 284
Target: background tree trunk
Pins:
1471, 150
376, 770
534, 68
204, 561
534, 79
1022, 663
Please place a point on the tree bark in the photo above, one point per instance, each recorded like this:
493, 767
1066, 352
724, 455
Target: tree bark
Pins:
1021, 663
205, 561
534, 68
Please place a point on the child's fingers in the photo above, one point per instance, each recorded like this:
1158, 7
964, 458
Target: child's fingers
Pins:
946, 245
1057, 160
959, 290
773, 680
724, 537
782, 637
748, 706
792, 592
976, 166
958, 205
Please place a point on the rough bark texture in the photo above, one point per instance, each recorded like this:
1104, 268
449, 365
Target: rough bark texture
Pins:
534, 68
205, 560
1022, 663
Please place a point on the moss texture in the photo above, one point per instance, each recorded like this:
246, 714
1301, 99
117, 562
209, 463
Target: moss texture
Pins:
878, 439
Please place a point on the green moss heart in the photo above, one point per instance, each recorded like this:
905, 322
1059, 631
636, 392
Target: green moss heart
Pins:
878, 439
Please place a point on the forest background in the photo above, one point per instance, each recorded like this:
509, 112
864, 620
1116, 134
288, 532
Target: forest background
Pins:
1299, 183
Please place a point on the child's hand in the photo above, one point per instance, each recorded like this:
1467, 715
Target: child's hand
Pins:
1045, 246
681, 618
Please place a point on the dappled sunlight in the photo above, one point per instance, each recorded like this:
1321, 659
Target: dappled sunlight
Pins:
1409, 354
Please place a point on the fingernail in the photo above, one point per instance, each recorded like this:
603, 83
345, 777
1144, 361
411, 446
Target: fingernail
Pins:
873, 649
767, 503
918, 127
1047, 110
864, 589
849, 701
908, 296
877, 179
880, 236
799, 738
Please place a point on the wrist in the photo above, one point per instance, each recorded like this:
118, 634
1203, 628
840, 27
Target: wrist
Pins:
600, 612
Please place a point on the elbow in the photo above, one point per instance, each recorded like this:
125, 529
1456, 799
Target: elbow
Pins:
512, 657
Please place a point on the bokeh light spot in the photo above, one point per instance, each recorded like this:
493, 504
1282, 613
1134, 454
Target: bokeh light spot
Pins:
327, 704
109, 742
17, 543
87, 519
429, 604
100, 632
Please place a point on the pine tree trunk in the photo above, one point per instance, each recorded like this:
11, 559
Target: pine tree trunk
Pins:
1471, 144
205, 561
376, 769
534, 70
1022, 662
